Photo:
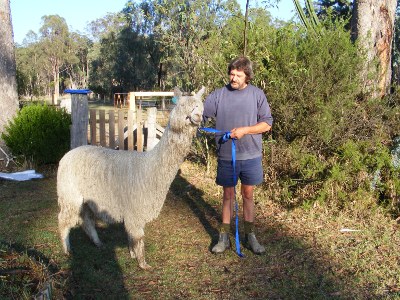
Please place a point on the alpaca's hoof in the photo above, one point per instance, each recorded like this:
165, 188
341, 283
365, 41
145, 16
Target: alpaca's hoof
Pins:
145, 266
67, 251
99, 245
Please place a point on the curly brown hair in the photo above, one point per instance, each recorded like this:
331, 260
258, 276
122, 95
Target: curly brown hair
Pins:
244, 64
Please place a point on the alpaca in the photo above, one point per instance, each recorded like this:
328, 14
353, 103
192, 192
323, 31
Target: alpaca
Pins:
125, 186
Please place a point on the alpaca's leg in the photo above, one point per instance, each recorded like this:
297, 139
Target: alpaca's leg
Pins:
67, 219
89, 227
136, 246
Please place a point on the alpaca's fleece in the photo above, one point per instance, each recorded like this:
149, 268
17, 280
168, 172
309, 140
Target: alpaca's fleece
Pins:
124, 186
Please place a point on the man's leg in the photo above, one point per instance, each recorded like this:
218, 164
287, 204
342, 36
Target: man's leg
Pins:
248, 215
227, 207
248, 202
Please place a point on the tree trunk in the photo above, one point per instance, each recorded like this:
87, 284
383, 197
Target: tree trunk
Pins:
246, 19
373, 28
8, 84
56, 78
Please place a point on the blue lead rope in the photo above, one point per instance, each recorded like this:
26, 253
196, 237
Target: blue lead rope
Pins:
225, 137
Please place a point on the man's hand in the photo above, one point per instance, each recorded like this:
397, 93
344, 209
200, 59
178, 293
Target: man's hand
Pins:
238, 133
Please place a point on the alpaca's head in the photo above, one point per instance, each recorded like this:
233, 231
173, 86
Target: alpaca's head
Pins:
188, 112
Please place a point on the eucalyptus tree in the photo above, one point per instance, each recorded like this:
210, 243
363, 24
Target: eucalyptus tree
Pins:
125, 56
396, 50
182, 28
373, 28
222, 45
103, 33
31, 73
76, 66
8, 85
54, 44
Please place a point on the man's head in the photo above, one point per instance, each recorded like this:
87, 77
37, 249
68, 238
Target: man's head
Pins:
240, 66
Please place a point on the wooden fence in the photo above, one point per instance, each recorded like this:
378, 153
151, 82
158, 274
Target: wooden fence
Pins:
124, 129
131, 129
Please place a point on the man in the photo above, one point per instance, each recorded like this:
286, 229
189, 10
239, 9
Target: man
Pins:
241, 109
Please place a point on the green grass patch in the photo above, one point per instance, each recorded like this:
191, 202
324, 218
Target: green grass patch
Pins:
308, 257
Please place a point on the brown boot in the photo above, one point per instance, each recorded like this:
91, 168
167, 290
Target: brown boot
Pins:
223, 243
253, 244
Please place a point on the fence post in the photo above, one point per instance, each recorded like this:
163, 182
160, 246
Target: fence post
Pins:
121, 125
111, 129
79, 116
151, 128
93, 124
132, 101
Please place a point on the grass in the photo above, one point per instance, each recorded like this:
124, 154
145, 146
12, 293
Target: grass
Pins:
307, 255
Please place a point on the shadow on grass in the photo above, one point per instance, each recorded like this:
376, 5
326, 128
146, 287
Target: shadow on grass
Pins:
24, 271
291, 269
95, 272
202, 209
91, 273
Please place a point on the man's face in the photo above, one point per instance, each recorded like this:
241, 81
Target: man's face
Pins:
237, 79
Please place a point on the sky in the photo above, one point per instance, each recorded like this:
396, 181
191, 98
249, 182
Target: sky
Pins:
27, 14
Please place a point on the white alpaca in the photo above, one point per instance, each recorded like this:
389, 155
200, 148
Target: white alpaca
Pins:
125, 186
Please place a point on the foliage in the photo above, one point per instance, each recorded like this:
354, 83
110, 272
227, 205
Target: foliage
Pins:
125, 59
31, 76
183, 30
311, 21
335, 10
227, 43
329, 141
39, 133
52, 59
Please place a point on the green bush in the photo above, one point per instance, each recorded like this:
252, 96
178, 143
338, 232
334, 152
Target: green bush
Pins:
39, 133
330, 142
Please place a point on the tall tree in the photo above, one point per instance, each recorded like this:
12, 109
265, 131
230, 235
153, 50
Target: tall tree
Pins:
373, 28
55, 44
183, 28
8, 85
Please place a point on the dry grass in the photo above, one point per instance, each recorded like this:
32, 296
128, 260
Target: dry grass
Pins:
307, 255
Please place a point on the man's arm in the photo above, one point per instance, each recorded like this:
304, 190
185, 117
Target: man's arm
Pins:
238, 133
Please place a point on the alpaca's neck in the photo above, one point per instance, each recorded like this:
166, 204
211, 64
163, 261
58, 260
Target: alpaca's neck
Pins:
170, 152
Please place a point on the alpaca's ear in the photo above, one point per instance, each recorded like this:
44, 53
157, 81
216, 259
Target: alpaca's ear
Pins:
177, 92
201, 92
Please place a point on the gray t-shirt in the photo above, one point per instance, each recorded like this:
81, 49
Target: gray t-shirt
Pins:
237, 108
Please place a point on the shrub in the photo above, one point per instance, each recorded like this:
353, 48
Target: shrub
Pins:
39, 133
330, 143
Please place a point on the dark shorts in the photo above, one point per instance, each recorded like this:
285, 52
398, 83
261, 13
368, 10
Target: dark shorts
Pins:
250, 172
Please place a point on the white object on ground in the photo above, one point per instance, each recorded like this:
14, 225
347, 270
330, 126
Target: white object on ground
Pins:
349, 230
21, 176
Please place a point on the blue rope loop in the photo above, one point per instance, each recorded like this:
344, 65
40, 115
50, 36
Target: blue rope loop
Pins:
224, 138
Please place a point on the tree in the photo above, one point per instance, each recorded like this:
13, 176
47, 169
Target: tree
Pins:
125, 57
373, 28
183, 28
8, 84
31, 72
55, 44
335, 9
